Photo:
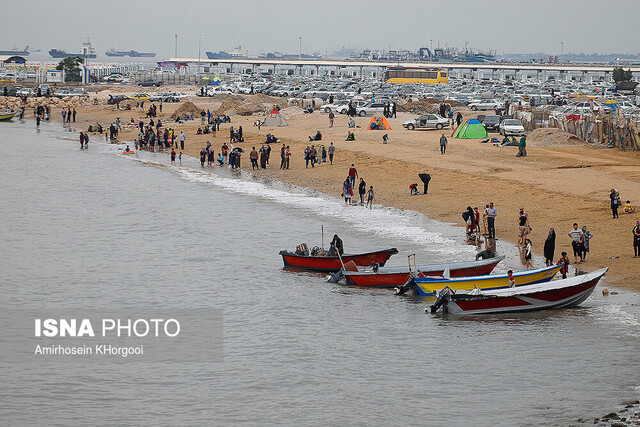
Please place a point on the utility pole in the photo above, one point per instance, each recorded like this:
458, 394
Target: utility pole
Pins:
176, 51
300, 37
199, 50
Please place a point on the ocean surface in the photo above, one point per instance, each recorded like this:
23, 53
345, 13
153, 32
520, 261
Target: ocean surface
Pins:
98, 230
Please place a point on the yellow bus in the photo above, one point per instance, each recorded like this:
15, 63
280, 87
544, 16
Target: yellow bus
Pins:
415, 75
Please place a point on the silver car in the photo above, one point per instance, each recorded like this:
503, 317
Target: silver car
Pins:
426, 121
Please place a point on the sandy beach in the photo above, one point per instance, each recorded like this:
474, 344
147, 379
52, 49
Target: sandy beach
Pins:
561, 181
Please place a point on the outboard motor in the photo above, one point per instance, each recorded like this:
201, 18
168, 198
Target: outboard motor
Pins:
335, 277
444, 297
401, 290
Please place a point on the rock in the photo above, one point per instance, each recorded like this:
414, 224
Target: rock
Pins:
618, 425
631, 402
605, 292
610, 416
614, 293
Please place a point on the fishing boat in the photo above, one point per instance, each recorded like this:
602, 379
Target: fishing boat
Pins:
428, 286
539, 296
5, 117
317, 260
394, 276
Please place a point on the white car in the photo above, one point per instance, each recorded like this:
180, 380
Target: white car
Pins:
370, 109
510, 127
327, 108
426, 121
485, 104
344, 109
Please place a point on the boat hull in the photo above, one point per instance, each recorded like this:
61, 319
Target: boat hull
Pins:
558, 294
386, 277
331, 264
429, 287
7, 116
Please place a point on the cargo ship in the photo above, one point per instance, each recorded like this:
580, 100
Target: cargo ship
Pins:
87, 52
130, 53
16, 52
235, 53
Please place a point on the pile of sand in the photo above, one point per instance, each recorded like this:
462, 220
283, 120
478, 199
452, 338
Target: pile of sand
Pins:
292, 112
543, 137
248, 105
420, 107
187, 108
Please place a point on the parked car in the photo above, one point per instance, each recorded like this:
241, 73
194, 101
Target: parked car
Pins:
25, 91
114, 78
343, 109
140, 96
370, 109
13, 91
485, 104
150, 82
164, 97
511, 127
62, 92
79, 91
327, 108
426, 121
491, 123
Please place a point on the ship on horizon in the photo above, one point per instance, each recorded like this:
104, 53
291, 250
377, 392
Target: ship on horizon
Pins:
16, 52
87, 52
130, 53
235, 53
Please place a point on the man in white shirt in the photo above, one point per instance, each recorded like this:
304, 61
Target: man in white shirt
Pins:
491, 217
576, 241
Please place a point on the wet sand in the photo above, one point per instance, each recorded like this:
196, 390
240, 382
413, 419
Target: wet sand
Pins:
557, 184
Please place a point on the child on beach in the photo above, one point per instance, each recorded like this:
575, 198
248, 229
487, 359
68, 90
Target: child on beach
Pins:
512, 280
527, 254
565, 268
370, 196
180, 158
173, 157
135, 144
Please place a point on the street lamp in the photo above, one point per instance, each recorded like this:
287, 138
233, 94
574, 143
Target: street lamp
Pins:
300, 46
199, 50
176, 52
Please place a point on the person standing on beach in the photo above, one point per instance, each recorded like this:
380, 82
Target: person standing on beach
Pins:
362, 190
332, 149
586, 236
287, 157
331, 117
492, 212
253, 156
173, 157
527, 254
68, 115
313, 155
576, 242
182, 138
347, 190
614, 203
522, 147
74, 115
549, 247
443, 144
370, 197
282, 151
459, 118
64, 115
81, 140
523, 226
636, 239
565, 268
353, 174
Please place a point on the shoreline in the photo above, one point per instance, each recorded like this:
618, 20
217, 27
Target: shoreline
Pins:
469, 171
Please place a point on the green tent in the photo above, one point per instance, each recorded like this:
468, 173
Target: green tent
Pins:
471, 129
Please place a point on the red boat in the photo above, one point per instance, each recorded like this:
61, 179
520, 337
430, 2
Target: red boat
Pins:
391, 277
331, 264
538, 296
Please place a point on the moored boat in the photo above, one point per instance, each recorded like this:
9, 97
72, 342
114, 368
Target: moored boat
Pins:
330, 264
428, 286
4, 117
392, 276
539, 296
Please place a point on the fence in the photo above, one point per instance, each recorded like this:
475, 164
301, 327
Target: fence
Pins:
612, 130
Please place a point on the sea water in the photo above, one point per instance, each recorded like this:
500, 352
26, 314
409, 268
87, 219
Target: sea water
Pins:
99, 230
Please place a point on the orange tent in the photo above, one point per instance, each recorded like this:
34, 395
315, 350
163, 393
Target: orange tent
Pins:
382, 123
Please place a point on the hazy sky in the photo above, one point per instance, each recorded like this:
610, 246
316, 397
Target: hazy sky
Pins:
274, 25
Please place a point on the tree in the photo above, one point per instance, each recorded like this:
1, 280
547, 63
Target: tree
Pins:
620, 75
70, 64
